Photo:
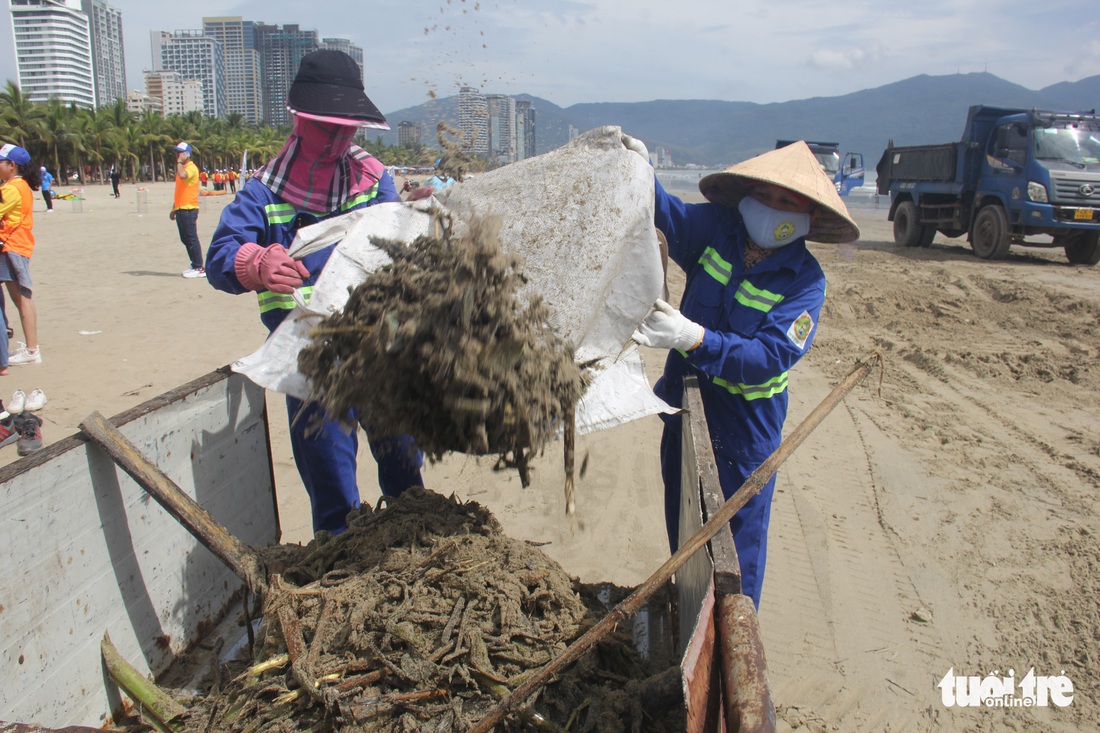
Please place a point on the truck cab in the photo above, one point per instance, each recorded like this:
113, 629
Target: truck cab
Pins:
846, 173
1016, 174
1048, 162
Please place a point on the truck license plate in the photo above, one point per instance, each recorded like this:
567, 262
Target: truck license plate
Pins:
1083, 214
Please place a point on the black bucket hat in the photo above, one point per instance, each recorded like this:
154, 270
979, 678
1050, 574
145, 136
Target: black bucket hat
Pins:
329, 84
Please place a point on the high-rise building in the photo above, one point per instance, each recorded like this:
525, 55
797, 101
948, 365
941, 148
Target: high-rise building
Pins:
343, 44
473, 121
176, 95
53, 51
281, 51
138, 102
410, 134
525, 130
501, 111
243, 76
197, 57
108, 54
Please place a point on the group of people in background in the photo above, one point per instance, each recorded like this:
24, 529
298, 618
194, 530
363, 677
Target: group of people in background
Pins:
222, 180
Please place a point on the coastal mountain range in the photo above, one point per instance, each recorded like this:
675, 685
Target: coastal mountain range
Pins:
710, 133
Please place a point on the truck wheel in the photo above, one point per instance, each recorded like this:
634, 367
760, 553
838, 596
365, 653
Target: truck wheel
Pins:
927, 234
907, 228
1083, 248
989, 238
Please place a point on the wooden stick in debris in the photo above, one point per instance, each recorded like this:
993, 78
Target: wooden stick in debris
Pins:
154, 705
241, 559
570, 439
630, 605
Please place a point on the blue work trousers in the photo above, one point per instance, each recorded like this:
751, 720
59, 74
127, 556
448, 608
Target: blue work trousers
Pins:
749, 525
325, 456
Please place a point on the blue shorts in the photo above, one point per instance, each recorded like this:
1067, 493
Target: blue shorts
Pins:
16, 268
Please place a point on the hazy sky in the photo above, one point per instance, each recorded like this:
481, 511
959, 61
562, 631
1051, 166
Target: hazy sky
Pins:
570, 51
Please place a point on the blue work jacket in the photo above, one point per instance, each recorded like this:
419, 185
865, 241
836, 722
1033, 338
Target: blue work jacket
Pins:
759, 322
258, 215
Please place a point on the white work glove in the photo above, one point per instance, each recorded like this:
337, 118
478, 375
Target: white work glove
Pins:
633, 143
667, 328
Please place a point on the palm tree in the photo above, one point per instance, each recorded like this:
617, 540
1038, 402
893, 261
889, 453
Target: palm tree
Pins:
19, 117
153, 136
58, 132
99, 134
131, 140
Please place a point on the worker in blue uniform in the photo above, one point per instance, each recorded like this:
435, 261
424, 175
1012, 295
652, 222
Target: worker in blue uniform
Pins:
750, 309
319, 173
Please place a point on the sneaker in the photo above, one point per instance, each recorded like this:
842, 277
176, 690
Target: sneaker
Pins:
17, 402
8, 433
195, 272
23, 355
29, 427
35, 401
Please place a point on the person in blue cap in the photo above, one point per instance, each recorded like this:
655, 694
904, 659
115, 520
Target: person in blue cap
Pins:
185, 209
19, 179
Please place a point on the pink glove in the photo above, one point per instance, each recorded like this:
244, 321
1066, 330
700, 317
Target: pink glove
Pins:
268, 268
420, 193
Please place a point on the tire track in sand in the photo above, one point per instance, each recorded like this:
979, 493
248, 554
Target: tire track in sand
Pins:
857, 658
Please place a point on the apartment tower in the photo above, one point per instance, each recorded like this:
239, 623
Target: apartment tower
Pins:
108, 55
243, 69
196, 57
281, 51
53, 51
473, 121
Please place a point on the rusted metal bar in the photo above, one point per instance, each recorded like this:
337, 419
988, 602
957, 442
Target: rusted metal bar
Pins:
634, 601
748, 698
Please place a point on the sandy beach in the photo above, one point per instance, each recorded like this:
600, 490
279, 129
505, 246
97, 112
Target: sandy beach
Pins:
944, 517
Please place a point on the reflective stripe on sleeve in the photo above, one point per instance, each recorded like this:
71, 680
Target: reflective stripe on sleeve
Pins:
715, 266
270, 301
361, 198
758, 298
279, 213
770, 388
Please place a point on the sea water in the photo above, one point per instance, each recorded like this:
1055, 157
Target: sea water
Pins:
684, 183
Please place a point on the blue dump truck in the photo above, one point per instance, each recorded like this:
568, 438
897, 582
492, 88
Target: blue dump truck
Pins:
1015, 174
846, 175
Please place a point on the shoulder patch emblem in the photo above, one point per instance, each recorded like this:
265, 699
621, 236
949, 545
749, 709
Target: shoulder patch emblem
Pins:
800, 330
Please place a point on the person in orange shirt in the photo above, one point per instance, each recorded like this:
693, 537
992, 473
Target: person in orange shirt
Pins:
19, 179
185, 208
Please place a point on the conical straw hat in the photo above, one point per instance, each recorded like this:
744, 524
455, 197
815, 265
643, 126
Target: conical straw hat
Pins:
793, 167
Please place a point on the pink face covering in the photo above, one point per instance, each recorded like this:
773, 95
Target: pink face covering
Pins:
319, 169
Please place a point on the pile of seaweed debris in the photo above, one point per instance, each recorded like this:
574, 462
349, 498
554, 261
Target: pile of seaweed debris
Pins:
438, 345
420, 617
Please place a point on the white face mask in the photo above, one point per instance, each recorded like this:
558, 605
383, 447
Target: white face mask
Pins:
770, 228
